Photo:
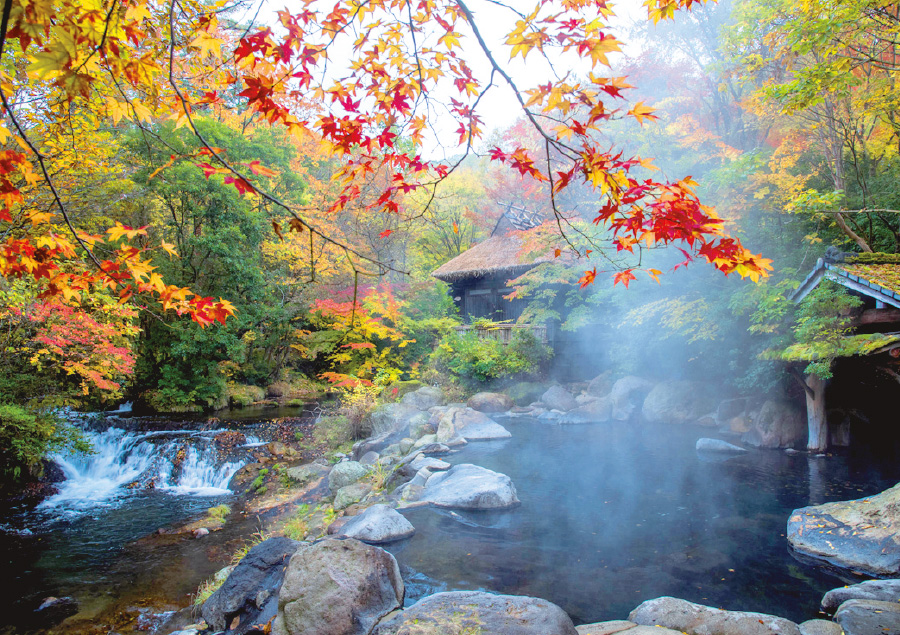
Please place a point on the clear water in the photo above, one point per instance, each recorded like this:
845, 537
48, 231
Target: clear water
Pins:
613, 514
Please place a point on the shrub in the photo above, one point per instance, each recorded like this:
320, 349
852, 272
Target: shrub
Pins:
481, 359
241, 396
27, 437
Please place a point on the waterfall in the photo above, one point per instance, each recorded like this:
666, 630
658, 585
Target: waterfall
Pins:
181, 462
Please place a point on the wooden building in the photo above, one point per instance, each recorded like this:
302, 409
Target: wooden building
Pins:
874, 278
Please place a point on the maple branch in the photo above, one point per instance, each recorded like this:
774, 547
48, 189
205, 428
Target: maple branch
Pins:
99, 46
262, 193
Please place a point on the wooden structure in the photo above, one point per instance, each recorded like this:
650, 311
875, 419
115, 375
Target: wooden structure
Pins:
876, 279
478, 277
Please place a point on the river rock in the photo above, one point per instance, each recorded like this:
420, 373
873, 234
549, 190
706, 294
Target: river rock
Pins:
306, 473
391, 418
470, 425
250, 593
597, 410
601, 385
884, 590
697, 619
490, 402
779, 424
435, 465
718, 445
627, 396
337, 587
344, 474
470, 612
371, 458
676, 402
820, 627
861, 535
868, 617
425, 397
379, 524
558, 398
468, 486
605, 628
350, 494
54, 610
434, 448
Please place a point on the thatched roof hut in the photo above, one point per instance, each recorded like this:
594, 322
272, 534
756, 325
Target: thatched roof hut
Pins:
496, 256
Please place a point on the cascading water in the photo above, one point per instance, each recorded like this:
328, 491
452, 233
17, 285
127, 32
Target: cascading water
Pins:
182, 462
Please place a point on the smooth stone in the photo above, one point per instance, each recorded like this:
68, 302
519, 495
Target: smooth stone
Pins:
421, 477
490, 402
377, 525
406, 445
601, 385
820, 627
598, 410
717, 445
885, 590
468, 486
428, 439
350, 494
697, 619
477, 612
435, 465
344, 474
434, 448
470, 425
251, 590
627, 396
779, 424
605, 628
369, 458
338, 587
425, 397
306, 473
558, 398
861, 535
868, 617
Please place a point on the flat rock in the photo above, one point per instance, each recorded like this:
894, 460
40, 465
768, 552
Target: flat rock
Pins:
469, 424
250, 593
435, 465
697, 619
490, 402
717, 445
558, 398
869, 617
820, 627
306, 473
434, 448
428, 439
379, 524
344, 474
468, 486
605, 628
471, 612
884, 590
861, 535
338, 587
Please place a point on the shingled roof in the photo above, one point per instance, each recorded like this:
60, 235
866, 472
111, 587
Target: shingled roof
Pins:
875, 275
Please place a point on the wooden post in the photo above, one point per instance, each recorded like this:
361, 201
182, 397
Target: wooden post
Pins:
815, 414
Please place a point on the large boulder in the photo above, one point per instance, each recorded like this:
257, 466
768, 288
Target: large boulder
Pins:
558, 398
884, 590
676, 402
344, 474
594, 411
490, 402
469, 612
250, 593
391, 418
627, 396
308, 473
377, 525
350, 494
820, 627
425, 397
697, 619
337, 587
470, 425
779, 424
862, 535
601, 385
468, 486
868, 617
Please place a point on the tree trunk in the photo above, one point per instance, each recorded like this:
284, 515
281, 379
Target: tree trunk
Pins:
815, 415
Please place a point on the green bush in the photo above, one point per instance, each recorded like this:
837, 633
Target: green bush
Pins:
481, 360
27, 437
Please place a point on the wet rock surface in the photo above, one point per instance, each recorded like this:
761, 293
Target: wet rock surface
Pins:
378, 524
467, 612
862, 535
885, 590
820, 627
337, 587
250, 593
470, 425
779, 424
697, 619
868, 617
468, 486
